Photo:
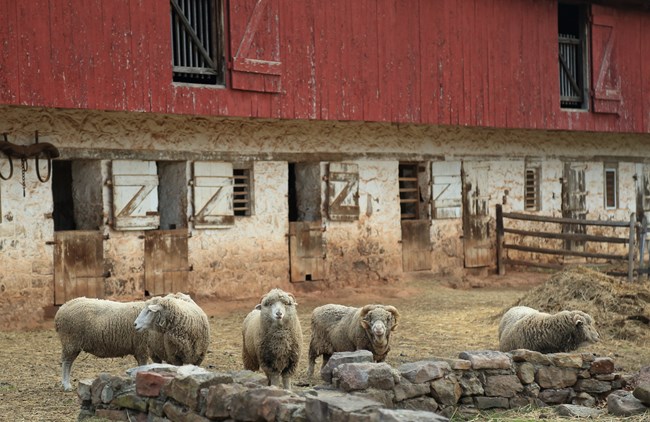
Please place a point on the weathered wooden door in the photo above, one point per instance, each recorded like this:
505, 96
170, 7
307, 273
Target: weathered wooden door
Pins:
306, 254
476, 217
574, 202
165, 261
78, 265
642, 190
416, 245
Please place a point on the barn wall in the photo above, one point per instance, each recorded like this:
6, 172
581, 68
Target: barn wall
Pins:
249, 258
452, 62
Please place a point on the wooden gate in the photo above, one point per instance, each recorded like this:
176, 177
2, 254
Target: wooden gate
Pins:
78, 265
476, 217
416, 245
574, 202
306, 251
165, 261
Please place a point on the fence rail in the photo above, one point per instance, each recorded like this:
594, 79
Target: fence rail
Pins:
503, 246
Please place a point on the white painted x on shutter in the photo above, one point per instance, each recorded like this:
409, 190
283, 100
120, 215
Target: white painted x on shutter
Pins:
135, 195
343, 192
446, 189
213, 191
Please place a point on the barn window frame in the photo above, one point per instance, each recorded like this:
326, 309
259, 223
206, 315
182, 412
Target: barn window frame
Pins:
610, 189
197, 40
409, 191
532, 189
573, 56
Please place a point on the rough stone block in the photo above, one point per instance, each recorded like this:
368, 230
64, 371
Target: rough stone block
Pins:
551, 396
424, 371
359, 376
483, 403
407, 390
566, 360
487, 359
149, 383
554, 377
602, 365
536, 358
503, 386
326, 406
446, 391
187, 389
247, 405
623, 403
573, 411
593, 386
359, 356
218, 399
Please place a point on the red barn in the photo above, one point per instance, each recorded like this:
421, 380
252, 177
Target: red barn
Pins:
224, 147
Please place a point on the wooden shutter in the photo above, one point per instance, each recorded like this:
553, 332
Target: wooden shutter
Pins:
447, 190
476, 216
135, 195
255, 45
343, 192
574, 202
605, 76
78, 265
213, 191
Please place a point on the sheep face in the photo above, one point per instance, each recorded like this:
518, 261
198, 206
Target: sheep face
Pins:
379, 321
147, 317
276, 305
585, 328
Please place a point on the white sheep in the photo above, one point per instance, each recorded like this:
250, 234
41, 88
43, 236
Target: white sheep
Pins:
522, 327
338, 328
179, 330
272, 338
100, 327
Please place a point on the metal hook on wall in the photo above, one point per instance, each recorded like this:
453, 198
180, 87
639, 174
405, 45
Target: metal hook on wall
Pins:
24, 152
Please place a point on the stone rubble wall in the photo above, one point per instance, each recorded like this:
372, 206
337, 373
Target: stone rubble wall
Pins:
355, 389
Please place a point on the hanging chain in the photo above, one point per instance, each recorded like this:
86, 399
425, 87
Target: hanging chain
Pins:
23, 165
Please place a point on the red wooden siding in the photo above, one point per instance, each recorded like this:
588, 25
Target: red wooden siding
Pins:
452, 62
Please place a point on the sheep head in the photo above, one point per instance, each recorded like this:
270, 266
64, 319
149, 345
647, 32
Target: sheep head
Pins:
276, 305
379, 321
584, 325
147, 317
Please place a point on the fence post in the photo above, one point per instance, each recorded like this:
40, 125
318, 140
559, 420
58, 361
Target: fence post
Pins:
642, 246
501, 269
632, 248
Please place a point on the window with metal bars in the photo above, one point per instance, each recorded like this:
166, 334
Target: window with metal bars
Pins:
197, 41
572, 54
241, 196
409, 192
611, 187
531, 190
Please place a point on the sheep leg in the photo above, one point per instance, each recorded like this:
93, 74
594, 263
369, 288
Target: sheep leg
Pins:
67, 359
274, 378
286, 381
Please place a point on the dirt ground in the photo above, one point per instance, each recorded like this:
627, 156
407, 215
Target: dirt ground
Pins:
438, 318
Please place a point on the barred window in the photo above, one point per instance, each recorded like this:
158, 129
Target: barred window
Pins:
572, 34
531, 189
242, 192
611, 186
197, 41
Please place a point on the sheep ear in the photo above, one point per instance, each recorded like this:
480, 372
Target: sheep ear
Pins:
155, 308
578, 320
258, 306
365, 324
293, 298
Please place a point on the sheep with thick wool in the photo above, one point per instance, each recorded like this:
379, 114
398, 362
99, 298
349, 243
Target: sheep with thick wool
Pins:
272, 338
103, 328
179, 330
522, 327
338, 328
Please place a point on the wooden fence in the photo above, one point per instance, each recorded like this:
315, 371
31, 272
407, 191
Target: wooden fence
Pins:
503, 229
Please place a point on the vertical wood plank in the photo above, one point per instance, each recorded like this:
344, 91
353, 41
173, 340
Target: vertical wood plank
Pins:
9, 54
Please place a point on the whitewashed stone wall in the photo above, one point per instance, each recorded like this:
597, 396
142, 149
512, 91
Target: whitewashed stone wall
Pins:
254, 253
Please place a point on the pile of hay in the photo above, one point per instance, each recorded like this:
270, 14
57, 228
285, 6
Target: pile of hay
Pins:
621, 310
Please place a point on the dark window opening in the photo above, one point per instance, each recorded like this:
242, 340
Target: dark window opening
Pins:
241, 197
611, 191
197, 41
409, 192
572, 56
63, 210
293, 202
